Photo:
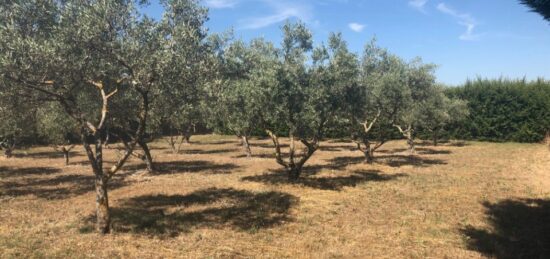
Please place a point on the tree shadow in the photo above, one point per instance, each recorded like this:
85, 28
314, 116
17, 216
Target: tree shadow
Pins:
404, 160
340, 141
7, 172
219, 142
177, 167
444, 143
170, 215
429, 151
255, 155
60, 187
45, 155
519, 229
324, 183
343, 161
268, 145
205, 152
337, 148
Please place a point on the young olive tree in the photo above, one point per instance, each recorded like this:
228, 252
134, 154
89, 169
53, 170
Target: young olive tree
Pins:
380, 96
437, 111
17, 115
56, 128
250, 70
177, 106
420, 81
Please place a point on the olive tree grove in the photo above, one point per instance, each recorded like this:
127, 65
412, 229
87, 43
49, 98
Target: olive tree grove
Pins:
100, 61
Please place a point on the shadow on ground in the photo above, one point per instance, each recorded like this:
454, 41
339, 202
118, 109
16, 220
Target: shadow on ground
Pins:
54, 188
166, 215
338, 148
220, 142
8, 172
390, 160
45, 155
204, 152
518, 229
324, 183
177, 167
419, 151
404, 160
445, 143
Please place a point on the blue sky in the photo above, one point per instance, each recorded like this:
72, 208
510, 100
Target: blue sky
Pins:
465, 38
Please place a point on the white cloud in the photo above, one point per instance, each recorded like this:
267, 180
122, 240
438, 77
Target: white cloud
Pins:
464, 19
283, 10
418, 4
219, 4
356, 27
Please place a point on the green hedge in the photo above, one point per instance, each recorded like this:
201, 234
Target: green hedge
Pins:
503, 110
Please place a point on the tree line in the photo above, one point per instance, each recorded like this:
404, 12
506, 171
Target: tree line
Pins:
100, 72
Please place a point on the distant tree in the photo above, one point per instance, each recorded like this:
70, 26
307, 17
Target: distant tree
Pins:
251, 71
418, 89
540, 6
382, 94
56, 128
178, 105
17, 115
438, 111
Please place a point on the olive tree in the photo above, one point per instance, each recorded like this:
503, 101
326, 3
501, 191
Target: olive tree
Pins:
420, 81
438, 111
381, 95
178, 105
250, 70
56, 128
76, 54
305, 97
17, 115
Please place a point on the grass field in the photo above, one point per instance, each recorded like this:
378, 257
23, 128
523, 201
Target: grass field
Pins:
456, 200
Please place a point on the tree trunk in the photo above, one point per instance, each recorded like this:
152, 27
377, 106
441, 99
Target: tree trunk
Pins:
103, 224
186, 138
293, 167
241, 143
172, 143
8, 152
369, 155
246, 146
435, 137
410, 143
294, 173
66, 156
147, 158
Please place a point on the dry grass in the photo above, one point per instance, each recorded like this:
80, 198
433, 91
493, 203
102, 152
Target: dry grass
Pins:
455, 201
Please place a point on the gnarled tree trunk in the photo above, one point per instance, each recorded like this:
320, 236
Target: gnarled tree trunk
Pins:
147, 158
293, 167
246, 146
369, 149
103, 217
435, 137
409, 135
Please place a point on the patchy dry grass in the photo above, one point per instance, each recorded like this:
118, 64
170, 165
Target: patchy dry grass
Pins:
456, 201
